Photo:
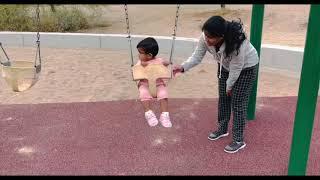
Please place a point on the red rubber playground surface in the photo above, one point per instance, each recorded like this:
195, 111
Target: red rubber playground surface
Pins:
112, 138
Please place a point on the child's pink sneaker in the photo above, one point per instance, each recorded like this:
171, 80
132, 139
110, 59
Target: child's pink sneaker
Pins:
151, 118
165, 119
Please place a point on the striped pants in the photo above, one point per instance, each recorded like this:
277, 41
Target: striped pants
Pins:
238, 102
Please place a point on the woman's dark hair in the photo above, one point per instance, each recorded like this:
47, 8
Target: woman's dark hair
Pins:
232, 32
149, 45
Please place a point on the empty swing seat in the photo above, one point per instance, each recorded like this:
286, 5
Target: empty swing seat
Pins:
20, 75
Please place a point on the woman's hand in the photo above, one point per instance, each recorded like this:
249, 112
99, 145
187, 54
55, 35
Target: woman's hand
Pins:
229, 92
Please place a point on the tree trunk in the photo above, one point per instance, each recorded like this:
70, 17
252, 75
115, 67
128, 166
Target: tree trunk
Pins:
53, 9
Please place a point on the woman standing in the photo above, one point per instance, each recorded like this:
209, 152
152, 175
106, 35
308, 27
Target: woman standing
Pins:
237, 70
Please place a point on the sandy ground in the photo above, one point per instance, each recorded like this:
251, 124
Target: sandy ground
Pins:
283, 24
83, 75
86, 75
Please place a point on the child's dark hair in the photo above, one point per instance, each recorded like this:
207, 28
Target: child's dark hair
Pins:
149, 45
232, 32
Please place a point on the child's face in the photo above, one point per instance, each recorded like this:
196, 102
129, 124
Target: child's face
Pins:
143, 56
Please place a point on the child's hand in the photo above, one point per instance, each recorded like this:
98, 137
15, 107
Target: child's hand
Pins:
177, 69
175, 75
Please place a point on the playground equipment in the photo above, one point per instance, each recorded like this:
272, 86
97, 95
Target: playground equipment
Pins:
22, 75
151, 72
308, 88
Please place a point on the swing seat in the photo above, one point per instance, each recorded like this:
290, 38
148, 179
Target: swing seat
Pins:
20, 75
151, 72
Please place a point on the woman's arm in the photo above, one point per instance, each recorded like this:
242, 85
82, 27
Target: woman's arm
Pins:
236, 66
196, 56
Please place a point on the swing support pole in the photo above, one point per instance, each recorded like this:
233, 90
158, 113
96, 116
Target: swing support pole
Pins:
307, 97
255, 39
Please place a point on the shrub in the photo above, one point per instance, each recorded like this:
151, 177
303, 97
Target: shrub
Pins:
15, 18
23, 18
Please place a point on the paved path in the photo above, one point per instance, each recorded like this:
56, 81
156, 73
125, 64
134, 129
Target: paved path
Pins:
112, 138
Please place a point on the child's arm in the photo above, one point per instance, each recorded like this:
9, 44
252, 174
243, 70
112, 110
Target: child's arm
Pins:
165, 63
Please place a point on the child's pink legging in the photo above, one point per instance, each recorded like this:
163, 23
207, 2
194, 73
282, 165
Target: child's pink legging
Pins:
144, 94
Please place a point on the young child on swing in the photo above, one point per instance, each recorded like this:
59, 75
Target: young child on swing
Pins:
148, 49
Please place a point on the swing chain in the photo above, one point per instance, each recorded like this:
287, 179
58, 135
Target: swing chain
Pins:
176, 21
38, 67
174, 35
38, 22
128, 32
127, 19
7, 62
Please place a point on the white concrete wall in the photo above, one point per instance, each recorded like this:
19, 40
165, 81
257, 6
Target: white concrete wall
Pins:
281, 57
81, 40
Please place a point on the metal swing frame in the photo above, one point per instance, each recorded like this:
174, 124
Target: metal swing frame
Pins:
22, 75
151, 72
